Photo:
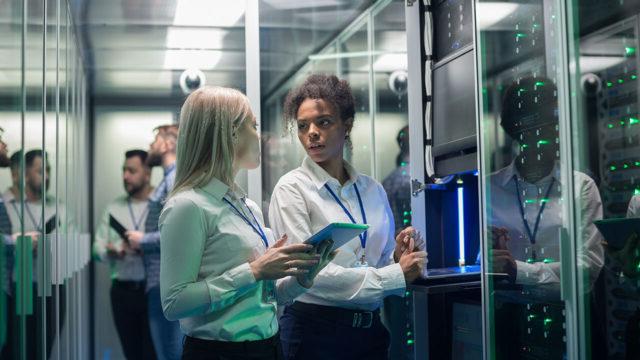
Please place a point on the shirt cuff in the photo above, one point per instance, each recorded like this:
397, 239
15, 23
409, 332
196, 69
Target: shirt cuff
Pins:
526, 273
393, 280
242, 276
291, 290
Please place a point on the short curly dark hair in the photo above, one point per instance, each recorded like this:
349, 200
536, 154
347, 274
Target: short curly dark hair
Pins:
320, 86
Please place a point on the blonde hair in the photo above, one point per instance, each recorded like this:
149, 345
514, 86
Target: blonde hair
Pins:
209, 122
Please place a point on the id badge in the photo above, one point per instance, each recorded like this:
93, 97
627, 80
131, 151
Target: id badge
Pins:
269, 291
361, 262
532, 253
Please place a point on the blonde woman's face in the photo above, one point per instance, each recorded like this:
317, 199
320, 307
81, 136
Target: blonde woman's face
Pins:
248, 145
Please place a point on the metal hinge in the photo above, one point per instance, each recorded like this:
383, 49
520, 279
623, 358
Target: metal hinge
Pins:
417, 187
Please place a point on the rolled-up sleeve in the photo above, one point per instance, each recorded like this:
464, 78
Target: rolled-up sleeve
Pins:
183, 234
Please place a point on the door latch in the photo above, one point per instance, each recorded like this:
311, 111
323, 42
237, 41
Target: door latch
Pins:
417, 187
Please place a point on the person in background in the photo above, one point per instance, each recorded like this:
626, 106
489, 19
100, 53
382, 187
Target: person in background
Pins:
166, 335
6, 246
398, 184
219, 262
342, 309
33, 200
128, 298
525, 213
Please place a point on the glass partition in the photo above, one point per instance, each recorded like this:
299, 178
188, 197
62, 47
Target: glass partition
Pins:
528, 183
42, 242
603, 65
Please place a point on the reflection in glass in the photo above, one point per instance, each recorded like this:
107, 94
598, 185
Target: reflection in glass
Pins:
531, 189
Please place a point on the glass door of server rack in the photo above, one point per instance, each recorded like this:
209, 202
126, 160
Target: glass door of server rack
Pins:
529, 189
605, 133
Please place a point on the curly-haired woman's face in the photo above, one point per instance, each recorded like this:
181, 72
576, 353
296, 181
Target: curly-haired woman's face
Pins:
321, 131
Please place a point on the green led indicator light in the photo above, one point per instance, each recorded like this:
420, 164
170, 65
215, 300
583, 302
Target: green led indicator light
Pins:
407, 293
548, 321
405, 213
613, 168
628, 50
610, 126
637, 163
521, 35
633, 121
408, 333
543, 142
609, 84
636, 192
524, 146
547, 260
625, 166
405, 221
638, 266
531, 317
622, 123
544, 200
530, 201
620, 81
403, 163
633, 77
409, 342
530, 260
539, 83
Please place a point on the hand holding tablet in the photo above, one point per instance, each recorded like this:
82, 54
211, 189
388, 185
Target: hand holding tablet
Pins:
340, 233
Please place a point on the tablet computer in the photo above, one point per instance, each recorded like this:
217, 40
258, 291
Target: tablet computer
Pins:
340, 233
50, 225
617, 231
118, 227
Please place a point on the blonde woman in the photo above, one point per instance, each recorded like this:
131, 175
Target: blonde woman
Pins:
218, 261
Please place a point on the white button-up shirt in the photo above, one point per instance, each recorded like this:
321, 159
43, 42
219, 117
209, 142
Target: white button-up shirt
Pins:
301, 206
130, 267
205, 278
503, 210
633, 211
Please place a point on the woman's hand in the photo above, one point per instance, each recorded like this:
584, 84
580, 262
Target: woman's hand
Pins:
412, 262
326, 256
280, 261
402, 242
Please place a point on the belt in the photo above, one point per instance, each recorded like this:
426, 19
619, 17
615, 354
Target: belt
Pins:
129, 285
233, 346
346, 317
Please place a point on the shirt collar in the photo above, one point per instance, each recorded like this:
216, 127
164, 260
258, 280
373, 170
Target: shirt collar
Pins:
511, 171
8, 196
320, 177
218, 189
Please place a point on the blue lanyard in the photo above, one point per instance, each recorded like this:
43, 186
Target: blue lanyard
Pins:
38, 225
532, 235
136, 224
256, 228
363, 236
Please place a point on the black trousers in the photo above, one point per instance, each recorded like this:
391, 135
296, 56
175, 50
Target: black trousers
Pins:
129, 308
33, 324
313, 332
199, 349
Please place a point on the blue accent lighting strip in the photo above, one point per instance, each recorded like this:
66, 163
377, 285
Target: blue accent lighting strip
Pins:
461, 260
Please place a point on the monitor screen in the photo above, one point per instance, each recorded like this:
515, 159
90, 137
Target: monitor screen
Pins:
454, 115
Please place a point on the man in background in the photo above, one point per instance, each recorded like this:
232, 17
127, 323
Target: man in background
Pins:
166, 335
128, 298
